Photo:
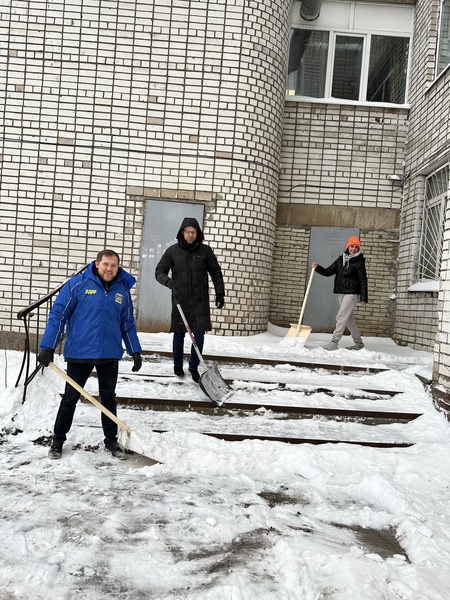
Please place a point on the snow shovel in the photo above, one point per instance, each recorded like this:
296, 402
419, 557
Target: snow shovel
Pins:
211, 381
128, 438
298, 330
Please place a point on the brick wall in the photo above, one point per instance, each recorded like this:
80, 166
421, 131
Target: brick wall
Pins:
423, 317
341, 155
291, 271
289, 274
335, 162
100, 99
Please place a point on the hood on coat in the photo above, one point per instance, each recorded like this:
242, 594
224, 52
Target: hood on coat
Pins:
190, 222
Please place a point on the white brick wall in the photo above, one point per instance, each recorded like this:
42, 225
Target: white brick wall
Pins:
99, 98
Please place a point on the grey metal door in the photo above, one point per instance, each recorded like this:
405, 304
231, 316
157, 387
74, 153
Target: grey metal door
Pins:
325, 245
161, 224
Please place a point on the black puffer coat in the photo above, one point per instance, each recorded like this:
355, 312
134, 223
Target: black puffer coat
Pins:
350, 279
190, 265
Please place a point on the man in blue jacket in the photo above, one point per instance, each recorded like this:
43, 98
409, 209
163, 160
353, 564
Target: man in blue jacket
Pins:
97, 312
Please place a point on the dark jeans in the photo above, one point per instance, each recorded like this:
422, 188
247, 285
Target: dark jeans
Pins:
178, 346
107, 380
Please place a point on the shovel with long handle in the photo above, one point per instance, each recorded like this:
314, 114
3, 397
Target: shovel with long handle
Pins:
298, 330
211, 381
130, 435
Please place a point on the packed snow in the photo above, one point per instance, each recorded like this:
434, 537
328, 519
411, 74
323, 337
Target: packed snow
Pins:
218, 520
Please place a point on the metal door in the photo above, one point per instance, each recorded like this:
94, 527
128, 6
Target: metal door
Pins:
325, 245
161, 225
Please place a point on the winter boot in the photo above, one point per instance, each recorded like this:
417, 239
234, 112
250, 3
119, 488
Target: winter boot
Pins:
115, 450
357, 346
178, 370
55, 451
195, 375
331, 346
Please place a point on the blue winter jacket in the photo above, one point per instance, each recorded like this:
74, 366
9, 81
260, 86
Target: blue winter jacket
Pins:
96, 320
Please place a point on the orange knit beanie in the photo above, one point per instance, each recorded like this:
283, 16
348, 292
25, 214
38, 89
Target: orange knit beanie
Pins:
353, 241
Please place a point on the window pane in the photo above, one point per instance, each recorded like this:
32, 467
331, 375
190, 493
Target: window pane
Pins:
437, 184
430, 247
444, 38
433, 224
347, 67
387, 69
308, 63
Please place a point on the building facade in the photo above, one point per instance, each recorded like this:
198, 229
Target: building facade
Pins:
280, 118
423, 270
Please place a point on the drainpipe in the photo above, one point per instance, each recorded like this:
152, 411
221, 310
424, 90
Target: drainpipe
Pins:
310, 9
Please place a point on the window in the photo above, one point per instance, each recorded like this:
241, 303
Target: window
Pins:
436, 195
443, 57
328, 64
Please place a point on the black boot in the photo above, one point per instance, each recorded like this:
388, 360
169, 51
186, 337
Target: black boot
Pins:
178, 370
55, 451
195, 375
115, 450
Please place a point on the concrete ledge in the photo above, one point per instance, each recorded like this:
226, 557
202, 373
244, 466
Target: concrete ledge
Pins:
313, 215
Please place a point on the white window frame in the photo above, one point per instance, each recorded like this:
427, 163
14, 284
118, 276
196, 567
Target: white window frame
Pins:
364, 75
439, 200
438, 70
324, 23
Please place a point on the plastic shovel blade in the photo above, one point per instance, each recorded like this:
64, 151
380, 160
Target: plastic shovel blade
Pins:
214, 386
301, 332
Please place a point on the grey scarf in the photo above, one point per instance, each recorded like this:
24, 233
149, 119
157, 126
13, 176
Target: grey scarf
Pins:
347, 257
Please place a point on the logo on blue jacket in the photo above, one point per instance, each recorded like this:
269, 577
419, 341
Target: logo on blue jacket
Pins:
119, 298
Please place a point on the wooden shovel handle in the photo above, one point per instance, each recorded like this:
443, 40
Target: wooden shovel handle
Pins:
305, 297
86, 394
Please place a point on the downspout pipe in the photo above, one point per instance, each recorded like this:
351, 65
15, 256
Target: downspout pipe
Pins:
310, 9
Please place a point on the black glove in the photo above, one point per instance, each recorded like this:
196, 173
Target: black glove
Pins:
137, 358
171, 284
45, 357
220, 300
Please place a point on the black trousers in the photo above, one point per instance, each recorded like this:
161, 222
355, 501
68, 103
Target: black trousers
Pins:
107, 374
178, 349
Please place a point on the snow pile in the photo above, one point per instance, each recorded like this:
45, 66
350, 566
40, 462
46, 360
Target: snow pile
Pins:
219, 520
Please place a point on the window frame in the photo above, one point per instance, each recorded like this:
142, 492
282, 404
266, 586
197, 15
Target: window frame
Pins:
360, 19
331, 63
439, 200
437, 72
365, 66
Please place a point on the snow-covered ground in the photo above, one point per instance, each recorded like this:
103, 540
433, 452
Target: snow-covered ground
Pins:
215, 520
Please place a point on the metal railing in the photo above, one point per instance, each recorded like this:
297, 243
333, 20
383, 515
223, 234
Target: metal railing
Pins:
26, 315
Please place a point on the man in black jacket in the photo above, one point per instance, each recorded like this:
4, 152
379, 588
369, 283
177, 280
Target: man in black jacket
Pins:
190, 261
350, 284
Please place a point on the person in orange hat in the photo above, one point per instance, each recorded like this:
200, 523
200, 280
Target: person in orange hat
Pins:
350, 284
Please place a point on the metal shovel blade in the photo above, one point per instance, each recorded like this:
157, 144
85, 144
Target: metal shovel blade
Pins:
214, 385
